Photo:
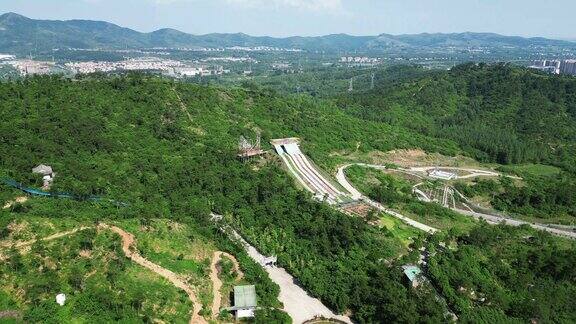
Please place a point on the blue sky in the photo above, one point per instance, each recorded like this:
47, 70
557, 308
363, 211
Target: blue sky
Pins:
317, 17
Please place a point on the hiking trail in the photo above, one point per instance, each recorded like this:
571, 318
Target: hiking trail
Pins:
217, 283
131, 252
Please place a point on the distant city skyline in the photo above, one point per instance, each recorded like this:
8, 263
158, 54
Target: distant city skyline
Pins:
281, 18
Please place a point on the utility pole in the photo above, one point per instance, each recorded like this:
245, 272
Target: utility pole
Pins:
372, 82
351, 87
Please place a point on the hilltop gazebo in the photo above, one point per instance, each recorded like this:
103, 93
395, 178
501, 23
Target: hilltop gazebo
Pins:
47, 175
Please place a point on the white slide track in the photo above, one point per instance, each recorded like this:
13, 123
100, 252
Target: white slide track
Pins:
306, 173
314, 184
326, 185
300, 179
301, 169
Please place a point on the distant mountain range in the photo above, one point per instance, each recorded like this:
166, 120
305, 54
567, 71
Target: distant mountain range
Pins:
19, 34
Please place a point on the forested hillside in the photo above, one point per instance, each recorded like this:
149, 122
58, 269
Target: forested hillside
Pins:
87, 127
168, 150
498, 113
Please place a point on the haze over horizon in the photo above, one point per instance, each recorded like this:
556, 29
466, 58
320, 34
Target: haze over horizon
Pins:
281, 18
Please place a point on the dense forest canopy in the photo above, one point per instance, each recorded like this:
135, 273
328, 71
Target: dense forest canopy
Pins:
499, 274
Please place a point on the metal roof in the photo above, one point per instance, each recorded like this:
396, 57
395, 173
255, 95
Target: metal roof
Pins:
411, 271
244, 296
43, 169
284, 141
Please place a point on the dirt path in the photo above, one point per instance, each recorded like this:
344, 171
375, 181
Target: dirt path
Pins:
182, 105
11, 314
130, 251
48, 238
20, 200
217, 283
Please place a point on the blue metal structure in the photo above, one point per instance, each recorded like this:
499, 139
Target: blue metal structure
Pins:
37, 192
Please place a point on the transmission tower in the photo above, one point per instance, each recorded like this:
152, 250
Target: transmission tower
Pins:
248, 149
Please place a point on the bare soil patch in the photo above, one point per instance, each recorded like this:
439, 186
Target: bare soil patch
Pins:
19, 200
413, 158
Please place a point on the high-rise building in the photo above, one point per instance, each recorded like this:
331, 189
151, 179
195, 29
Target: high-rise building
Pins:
549, 66
568, 67
556, 66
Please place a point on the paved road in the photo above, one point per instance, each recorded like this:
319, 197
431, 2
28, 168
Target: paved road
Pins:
297, 302
473, 172
497, 219
357, 195
341, 177
493, 219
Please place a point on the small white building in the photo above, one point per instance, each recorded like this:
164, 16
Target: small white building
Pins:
43, 170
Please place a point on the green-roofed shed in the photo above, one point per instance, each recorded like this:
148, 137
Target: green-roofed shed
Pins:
244, 301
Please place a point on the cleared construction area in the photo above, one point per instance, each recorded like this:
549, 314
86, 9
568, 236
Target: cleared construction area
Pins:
446, 198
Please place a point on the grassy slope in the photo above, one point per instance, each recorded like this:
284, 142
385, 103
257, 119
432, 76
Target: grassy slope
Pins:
90, 268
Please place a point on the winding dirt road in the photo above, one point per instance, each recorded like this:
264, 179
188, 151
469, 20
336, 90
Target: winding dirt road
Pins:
217, 283
131, 252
